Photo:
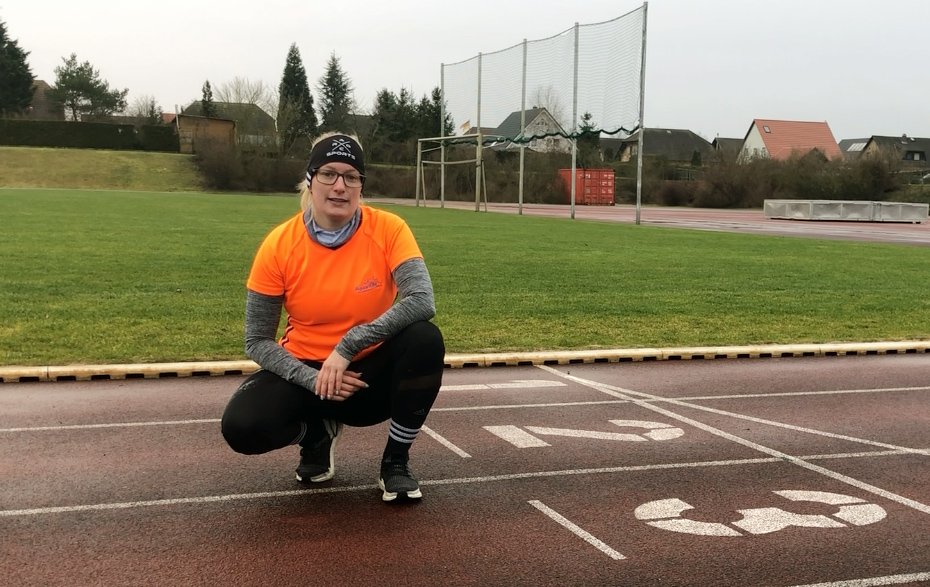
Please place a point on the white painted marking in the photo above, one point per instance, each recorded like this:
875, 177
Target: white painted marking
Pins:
634, 396
434, 482
861, 515
875, 581
516, 437
114, 425
586, 434
577, 530
515, 384
524, 406
661, 508
684, 526
819, 497
852, 510
445, 442
768, 520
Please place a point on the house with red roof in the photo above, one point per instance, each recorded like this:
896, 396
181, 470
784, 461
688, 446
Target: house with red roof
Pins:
779, 139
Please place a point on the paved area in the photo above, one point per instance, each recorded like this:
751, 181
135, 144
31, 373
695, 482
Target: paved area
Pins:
773, 471
750, 221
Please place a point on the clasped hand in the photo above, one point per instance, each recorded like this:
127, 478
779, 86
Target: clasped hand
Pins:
333, 382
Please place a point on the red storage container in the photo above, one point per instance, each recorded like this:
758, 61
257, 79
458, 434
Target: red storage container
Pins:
593, 187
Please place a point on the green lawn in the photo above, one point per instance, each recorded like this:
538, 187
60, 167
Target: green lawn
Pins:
114, 277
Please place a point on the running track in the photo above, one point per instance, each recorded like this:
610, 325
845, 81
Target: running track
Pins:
777, 472
749, 221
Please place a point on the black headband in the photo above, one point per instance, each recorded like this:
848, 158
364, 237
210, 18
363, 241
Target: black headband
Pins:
336, 148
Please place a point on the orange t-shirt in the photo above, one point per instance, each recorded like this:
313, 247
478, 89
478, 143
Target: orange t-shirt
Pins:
329, 291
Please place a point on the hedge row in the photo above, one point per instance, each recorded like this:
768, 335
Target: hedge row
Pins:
88, 135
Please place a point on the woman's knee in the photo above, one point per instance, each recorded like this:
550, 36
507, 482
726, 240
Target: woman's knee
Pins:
424, 339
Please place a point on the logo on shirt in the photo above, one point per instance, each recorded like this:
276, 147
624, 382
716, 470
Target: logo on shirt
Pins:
369, 284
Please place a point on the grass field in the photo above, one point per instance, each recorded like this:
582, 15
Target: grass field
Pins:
30, 167
114, 277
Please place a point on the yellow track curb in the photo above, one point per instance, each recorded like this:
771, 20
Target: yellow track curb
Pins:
216, 368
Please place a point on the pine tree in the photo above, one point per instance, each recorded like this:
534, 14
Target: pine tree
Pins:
296, 117
16, 85
207, 106
336, 101
80, 89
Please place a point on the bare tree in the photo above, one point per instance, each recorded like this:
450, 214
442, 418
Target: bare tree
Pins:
146, 107
548, 97
240, 90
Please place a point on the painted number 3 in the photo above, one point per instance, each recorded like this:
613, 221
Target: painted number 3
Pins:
666, 514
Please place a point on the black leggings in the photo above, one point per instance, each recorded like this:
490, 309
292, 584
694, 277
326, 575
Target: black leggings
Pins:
403, 376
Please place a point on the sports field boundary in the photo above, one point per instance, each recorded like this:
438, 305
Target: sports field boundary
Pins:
24, 374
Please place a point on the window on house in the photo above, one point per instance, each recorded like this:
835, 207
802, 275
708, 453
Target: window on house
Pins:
915, 156
766, 129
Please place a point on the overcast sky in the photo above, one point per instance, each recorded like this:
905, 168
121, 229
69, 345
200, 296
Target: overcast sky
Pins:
712, 66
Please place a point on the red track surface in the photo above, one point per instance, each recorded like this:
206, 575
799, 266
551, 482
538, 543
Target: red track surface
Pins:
130, 483
751, 221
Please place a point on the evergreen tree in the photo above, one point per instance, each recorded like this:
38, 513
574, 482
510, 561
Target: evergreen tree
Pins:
429, 115
207, 106
16, 85
589, 140
84, 94
335, 90
296, 117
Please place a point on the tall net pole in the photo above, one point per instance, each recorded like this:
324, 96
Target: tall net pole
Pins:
522, 126
442, 144
478, 148
642, 126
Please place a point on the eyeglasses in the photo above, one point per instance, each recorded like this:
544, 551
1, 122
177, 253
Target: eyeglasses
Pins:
329, 177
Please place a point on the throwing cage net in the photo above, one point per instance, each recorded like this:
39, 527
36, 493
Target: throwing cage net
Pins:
547, 93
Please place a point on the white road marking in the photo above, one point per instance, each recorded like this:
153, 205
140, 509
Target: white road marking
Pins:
516, 436
113, 425
434, 482
559, 404
629, 394
874, 581
515, 384
576, 530
445, 442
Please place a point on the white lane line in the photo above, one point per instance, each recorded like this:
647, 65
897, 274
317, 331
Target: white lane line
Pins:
511, 406
874, 581
625, 394
436, 482
113, 425
515, 384
683, 403
800, 393
523, 406
432, 482
576, 530
441, 440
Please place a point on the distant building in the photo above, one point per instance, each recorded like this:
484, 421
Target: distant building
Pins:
196, 130
253, 125
779, 139
912, 151
41, 107
852, 148
727, 149
675, 145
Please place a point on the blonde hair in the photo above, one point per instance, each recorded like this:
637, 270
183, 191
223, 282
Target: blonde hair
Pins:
304, 186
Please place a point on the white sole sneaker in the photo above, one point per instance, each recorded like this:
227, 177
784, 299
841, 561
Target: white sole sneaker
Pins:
391, 496
335, 429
